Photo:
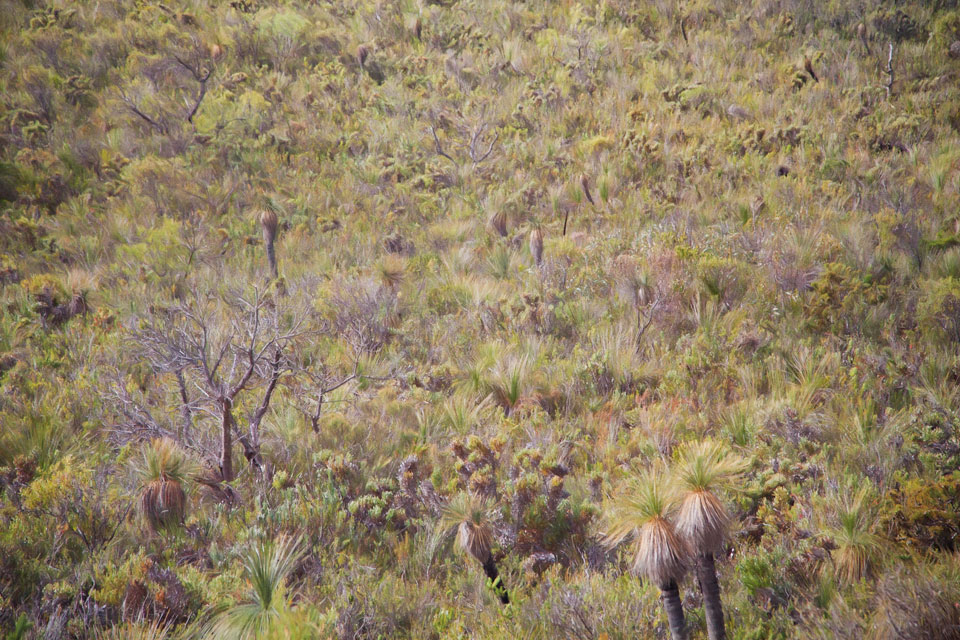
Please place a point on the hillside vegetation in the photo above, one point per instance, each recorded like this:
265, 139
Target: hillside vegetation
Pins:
479, 319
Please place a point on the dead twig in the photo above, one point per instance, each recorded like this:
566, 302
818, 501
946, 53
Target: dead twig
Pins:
131, 105
472, 150
472, 146
647, 315
200, 77
439, 148
315, 418
325, 389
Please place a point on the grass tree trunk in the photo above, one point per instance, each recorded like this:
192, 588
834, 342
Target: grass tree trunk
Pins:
268, 223
710, 587
272, 258
670, 594
490, 568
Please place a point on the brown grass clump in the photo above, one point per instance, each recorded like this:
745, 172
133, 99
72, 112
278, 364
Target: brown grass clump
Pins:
362, 52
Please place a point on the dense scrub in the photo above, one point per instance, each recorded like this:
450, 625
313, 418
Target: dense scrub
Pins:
457, 276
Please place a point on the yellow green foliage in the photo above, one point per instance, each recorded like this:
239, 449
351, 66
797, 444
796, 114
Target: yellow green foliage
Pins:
56, 484
923, 514
112, 580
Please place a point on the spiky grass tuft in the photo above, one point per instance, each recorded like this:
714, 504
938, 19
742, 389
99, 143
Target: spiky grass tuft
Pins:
267, 566
508, 380
163, 459
392, 270
132, 631
858, 546
81, 282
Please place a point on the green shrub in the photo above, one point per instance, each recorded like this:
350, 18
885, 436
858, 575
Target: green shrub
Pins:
938, 310
946, 29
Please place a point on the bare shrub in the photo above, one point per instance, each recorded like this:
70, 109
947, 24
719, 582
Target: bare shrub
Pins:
361, 311
919, 602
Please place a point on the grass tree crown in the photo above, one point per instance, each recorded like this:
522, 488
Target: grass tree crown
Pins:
642, 513
706, 469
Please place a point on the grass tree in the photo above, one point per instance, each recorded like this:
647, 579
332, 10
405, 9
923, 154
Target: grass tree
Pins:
392, 270
164, 471
585, 185
472, 518
642, 513
536, 245
706, 469
268, 223
267, 612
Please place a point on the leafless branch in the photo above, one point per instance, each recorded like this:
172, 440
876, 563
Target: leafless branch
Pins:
185, 405
131, 105
200, 76
138, 422
315, 419
217, 206
474, 154
645, 318
267, 395
439, 147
